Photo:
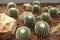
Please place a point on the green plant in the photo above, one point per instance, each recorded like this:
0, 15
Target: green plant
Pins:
29, 20
45, 16
41, 28
23, 33
36, 8
53, 11
13, 12
11, 5
45, 9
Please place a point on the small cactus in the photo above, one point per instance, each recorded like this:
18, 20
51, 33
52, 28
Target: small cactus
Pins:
53, 11
36, 3
41, 28
23, 33
45, 9
45, 17
11, 5
13, 12
36, 8
29, 20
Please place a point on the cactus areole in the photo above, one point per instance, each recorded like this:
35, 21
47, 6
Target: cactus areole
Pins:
29, 20
23, 33
45, 17
41, 28
36, 3
53, 11
36, 8
11, 5
13, 12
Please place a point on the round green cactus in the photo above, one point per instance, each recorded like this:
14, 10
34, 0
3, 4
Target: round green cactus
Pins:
36, 8
23, 33
41, 28
36, 3
45, 17
11, 5
13, 12
53, 11
29, 20
45, 9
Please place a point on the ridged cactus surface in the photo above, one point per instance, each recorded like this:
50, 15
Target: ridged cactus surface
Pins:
23, 33
42, 28
29, 20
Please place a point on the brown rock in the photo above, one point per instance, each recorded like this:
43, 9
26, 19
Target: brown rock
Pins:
7, 26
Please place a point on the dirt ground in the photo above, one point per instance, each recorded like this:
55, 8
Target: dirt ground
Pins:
53, 22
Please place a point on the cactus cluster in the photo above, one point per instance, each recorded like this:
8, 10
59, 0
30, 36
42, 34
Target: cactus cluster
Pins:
36, 3
11, 5
36, 8
13, 12
23, 33
45, 16
29, 20
53, 11
41, 28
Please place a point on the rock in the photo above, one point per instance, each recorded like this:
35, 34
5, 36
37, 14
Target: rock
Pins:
24, 14
7, 26
55, 30
27, 6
